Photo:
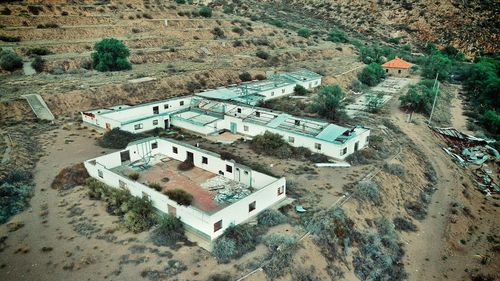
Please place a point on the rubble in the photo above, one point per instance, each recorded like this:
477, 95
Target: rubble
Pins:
227, 190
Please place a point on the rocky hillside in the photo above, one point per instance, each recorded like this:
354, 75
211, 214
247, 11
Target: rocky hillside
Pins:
469, 25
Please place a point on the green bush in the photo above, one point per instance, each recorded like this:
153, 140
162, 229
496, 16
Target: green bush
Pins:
111, 55
16, 188
237, 29
395, 169
277, 22
368, 191
140, 214
218, 33
282, 248
304, 32
270, 217
38, 64
374, 102
48, 25
372, 74
118, 139
168, 232
205, 12
300, 90
328, 102
337, 36
42, 51
437, 64
245, 76
7, 38
404, 224
180, 196
220, 277
10, 61
419, 97
236, 241
134, 176
180, 1
262, 54
156, 186
271, 144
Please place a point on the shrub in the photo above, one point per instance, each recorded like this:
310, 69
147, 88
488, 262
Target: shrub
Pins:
220, 277
302, 274
48, 25
236, 241
180, 196
140, 214
262, 54
416, 209
147, 16
404, 224
168, 232
437, 64
17, 176
205, 12
300, 90
277, 22
372, 74
134, 176
42, 51
111, 55
328, 102
368, 191
333, 232
237, 43
245, 76
6, 11
419, 97
156, 186
70, 177
271, 144
186, 165
180, 1
35, 9
394, 169
270, 217
260, 77
14, 197
218, 32
304, 32
337, 36
38, 64
282, 248
228, 9
237, 29
118, 139
64, 13
7, 38
10, 61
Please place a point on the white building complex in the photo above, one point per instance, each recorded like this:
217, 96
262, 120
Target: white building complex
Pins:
233, 109
224, 192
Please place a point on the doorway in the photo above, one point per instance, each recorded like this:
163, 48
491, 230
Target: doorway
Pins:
167, 124
356, 146
125, 156
190, 157
234, 127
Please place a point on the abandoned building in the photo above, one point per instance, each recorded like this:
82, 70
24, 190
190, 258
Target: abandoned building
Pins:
216, 111
224, 192
397, 67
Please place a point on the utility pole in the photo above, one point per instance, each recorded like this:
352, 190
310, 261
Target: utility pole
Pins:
436, 88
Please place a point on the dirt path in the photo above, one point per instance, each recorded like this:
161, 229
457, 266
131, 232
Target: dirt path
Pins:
424, 250
458, 119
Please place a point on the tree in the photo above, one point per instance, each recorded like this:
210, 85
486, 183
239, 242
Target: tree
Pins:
337, 36
419, 97
491, 121
300, 90
328, 102
10, 61
372, 74
437, 64
304, 32
111, 55
38, 64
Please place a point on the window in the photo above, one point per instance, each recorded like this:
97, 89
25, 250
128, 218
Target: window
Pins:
297, 122
99, 173
257, 113
251, 206
155, 122
181, 102
122, 184
344, 151
165, 106
399, 71
229, 168
245, 128
204, 160
291, 139
317, 146
217, 226
239, 110
138, 126
246, 172
154, 145
387, 70
272, 94
156, 110
281, 190
175, 150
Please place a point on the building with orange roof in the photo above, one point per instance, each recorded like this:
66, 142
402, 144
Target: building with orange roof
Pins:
397, 67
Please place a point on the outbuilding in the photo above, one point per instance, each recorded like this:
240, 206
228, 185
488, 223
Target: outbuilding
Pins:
397, 67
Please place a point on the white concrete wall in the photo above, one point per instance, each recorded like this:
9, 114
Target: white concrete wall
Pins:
310, 84
278, 92
204, 130
265, 196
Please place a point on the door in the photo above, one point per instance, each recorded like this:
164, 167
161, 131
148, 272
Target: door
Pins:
356, 146
108, 126
190, 157
243, 175
234, 127
167, 124
125, 155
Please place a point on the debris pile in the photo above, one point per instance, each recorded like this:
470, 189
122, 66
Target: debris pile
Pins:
227, 190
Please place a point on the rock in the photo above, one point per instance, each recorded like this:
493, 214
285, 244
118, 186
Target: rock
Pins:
15, 225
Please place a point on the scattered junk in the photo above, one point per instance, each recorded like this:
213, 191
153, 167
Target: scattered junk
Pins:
469, 150
334, 165
227, 190
300, 209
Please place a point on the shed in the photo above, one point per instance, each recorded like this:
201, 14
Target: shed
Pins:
397, 67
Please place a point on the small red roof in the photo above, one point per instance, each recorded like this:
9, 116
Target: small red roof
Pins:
397, 63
